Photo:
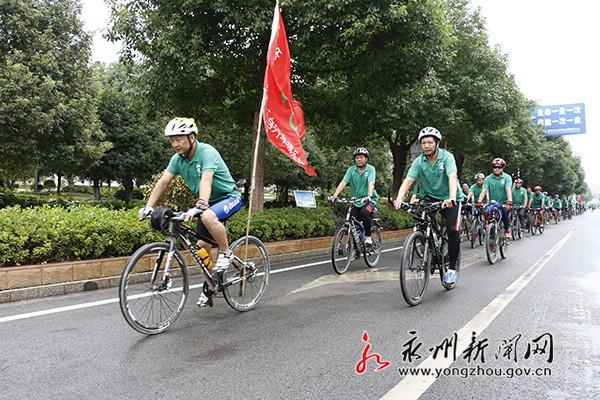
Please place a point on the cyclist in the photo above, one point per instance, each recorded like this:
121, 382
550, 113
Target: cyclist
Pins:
437, 175
205, 173
475, 189
465, 189
557, 204
519, 197
361, 178
497, 186
537, 200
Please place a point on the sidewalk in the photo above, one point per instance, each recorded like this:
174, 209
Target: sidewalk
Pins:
35, 281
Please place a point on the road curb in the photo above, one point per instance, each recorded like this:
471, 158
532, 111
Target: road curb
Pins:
37, 281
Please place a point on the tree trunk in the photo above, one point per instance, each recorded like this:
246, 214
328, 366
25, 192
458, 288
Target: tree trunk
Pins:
246, 192
258, 194
400, 158
128, 186
284, 193
460, 161
36, 187
59, 175
96, 183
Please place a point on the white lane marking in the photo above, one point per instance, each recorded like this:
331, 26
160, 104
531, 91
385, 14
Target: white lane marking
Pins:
116, 300
413, 386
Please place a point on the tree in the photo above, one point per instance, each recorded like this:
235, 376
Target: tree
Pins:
138, 148
47, 94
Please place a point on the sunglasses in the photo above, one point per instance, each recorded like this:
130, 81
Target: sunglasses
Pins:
496, 167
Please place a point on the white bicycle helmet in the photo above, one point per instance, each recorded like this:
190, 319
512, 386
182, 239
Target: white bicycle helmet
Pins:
181, 126
360, 151
430, 131
479, 175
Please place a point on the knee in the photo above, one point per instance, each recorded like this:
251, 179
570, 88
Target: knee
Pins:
208, 218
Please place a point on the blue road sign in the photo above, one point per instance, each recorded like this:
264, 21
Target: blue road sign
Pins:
565, 119
305, 198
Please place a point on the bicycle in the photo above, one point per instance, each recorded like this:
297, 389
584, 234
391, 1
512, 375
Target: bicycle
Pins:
477, 231
424, 251
516, 229
555, 215
494, 236
348, 241
465, 222
155, 282
536, 221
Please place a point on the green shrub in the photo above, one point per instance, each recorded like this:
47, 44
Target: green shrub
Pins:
53, 234
137, 194
49, 184
78, 189
177, 196
45, 234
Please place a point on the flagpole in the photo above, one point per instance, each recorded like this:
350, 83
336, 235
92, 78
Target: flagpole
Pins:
257, 141
254, 162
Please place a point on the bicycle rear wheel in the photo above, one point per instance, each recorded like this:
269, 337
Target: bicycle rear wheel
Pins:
150, 299
372, 254
414, 268
342, 249
245, 281
491, 243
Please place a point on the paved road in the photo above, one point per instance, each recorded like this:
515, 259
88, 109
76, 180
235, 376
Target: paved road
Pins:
305, 338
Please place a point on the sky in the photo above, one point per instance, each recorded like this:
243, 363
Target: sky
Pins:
552, 48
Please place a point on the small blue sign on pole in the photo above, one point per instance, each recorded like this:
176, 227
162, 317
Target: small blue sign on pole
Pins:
564, 119
305, 198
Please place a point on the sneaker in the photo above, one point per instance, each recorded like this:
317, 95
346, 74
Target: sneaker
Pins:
506, 234
369, 241
205, 299
450, 277
223, 261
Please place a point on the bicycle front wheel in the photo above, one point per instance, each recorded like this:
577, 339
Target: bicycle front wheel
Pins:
372, 253
342, 249
491, 243
150, 298
245, 281
414, 268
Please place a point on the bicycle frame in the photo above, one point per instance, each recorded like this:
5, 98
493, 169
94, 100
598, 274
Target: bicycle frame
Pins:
426, 223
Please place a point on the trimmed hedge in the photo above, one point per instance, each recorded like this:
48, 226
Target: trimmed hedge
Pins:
53, 234
9, 199
45, 234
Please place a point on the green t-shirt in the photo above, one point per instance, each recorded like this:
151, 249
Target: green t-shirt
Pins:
416, 190
556, 203
496, 186
206, 158
433, 179
359, 183
519, 196
476, 190
537, 200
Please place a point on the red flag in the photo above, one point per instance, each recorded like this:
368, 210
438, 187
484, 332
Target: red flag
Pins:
283, 117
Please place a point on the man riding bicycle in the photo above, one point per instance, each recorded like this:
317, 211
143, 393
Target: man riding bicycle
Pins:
436, 173
361, 178
537, 200
475, 189
498, 185
556, 203
207, 176
519, 198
